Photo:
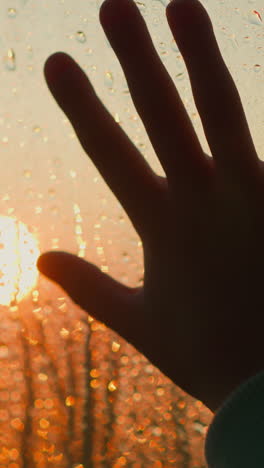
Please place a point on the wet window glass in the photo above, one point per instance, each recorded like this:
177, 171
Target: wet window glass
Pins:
72, 392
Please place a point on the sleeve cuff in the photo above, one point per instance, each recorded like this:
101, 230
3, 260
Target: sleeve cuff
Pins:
235, 438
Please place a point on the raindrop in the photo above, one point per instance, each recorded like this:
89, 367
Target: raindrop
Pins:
257, 68
109, 80
246, 39
36, 129
174, 46
124, 87
179, 76
254, 17
11, 13
117, 118
54, 210
10, 60
80, 37
199, 427
126, 257
73, 174
141, 6
30, 51
156, 21
52, 192
4, 351
27, 174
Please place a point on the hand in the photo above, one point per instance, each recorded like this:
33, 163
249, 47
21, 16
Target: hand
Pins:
199, 315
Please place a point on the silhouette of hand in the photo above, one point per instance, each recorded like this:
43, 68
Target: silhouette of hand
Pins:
199, 315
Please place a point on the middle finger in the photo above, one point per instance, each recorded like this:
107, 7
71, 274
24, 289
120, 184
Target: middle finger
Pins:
153, 92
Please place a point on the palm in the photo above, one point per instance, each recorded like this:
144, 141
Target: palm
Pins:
202, 292
201, 226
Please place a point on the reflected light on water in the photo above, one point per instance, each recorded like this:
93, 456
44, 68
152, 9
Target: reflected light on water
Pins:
18, 257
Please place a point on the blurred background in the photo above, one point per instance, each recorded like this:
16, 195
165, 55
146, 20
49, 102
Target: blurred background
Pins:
73, 394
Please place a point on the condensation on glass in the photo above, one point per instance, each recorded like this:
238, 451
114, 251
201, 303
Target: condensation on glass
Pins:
72, 392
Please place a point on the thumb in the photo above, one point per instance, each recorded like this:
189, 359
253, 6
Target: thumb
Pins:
100, 295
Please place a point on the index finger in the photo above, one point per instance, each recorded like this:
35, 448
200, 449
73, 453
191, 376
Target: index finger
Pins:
123, 168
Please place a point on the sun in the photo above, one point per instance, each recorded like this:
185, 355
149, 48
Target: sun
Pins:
18, 257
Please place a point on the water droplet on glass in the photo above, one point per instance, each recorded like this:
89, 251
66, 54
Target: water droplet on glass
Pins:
199, 427
117, 118
10, 60
4, 351
156, 21
141, 6
27, 173
124, 86
54, 210
52, 192
126, 257
30, 51
73, 174
80, 37
11, 13
38, 209
254, 17
64, 333
246, 39
257, 68
36, 129
89, 51
179, 76
174, 46
109, 80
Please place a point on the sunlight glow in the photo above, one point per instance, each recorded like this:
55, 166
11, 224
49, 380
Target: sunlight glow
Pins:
18, 257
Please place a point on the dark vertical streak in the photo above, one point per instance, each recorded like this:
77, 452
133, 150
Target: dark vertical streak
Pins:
108, 428
30, 399
88, 414
71, 409
54, 372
